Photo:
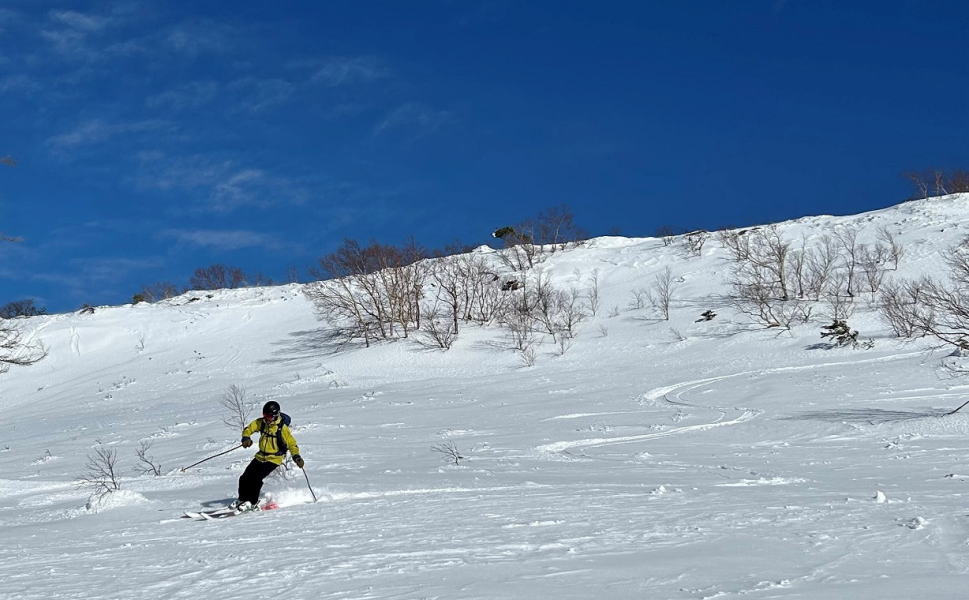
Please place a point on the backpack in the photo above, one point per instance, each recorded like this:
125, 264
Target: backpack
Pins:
285, 420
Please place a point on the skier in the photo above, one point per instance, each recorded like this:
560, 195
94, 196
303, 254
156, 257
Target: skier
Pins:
275, 439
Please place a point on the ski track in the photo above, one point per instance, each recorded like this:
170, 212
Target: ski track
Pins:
679, 389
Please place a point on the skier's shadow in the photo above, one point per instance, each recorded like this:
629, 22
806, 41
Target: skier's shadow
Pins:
217, 503
873, 416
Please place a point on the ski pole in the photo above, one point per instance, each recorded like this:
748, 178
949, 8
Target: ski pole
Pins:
956, 410
308, 485
211, 457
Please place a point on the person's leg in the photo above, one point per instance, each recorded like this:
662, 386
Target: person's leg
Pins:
250, 483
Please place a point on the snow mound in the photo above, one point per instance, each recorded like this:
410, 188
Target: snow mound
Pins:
116, 499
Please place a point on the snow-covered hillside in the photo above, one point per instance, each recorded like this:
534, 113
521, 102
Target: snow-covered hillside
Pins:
653, 459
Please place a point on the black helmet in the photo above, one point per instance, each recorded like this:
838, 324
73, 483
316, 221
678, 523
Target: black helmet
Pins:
271, 408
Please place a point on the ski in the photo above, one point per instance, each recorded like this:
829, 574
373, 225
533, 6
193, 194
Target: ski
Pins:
222, 513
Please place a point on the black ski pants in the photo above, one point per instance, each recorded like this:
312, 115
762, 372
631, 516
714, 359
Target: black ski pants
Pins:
250, 483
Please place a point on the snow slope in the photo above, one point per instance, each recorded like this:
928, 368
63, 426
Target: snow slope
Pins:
653, 459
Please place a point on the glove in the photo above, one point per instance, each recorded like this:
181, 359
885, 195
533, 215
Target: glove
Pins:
246, 442
299, 461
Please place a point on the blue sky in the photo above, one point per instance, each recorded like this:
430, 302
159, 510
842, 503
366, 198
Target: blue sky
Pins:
153, 138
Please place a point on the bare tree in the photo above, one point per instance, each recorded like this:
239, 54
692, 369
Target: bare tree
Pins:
822, 262
555, 227
940, 183
919, 183
452, 282
848, 238
872, 266
662, 292
592, 295
237, 407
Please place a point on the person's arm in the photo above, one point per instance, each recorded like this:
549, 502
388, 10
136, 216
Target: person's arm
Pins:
250, 429
293, 446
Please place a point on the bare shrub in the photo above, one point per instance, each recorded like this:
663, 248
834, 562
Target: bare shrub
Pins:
569, 312
901, 307
438, 332
694, 241
375, 292
640, 297
156, 292
872, 266
894, 248
564, 341
758, 301
666, 233
101, 474
760, 256
930, 307
21, 308
237, 408
555, 227
147, 464
15, 350
527, 356
217, 277
450, 452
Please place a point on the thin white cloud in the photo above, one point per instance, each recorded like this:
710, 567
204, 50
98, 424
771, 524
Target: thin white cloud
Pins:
8, 17
246, 187
87, 272
19, 84
337, 71
79, 21
193, 38
185, 96
225, 240
68, 42
255, 94
96, 131
223, 185
414, 116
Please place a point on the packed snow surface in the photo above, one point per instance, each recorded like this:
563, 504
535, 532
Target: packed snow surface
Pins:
652, 459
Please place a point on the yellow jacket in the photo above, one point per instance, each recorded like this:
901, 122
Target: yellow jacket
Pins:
269, 450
